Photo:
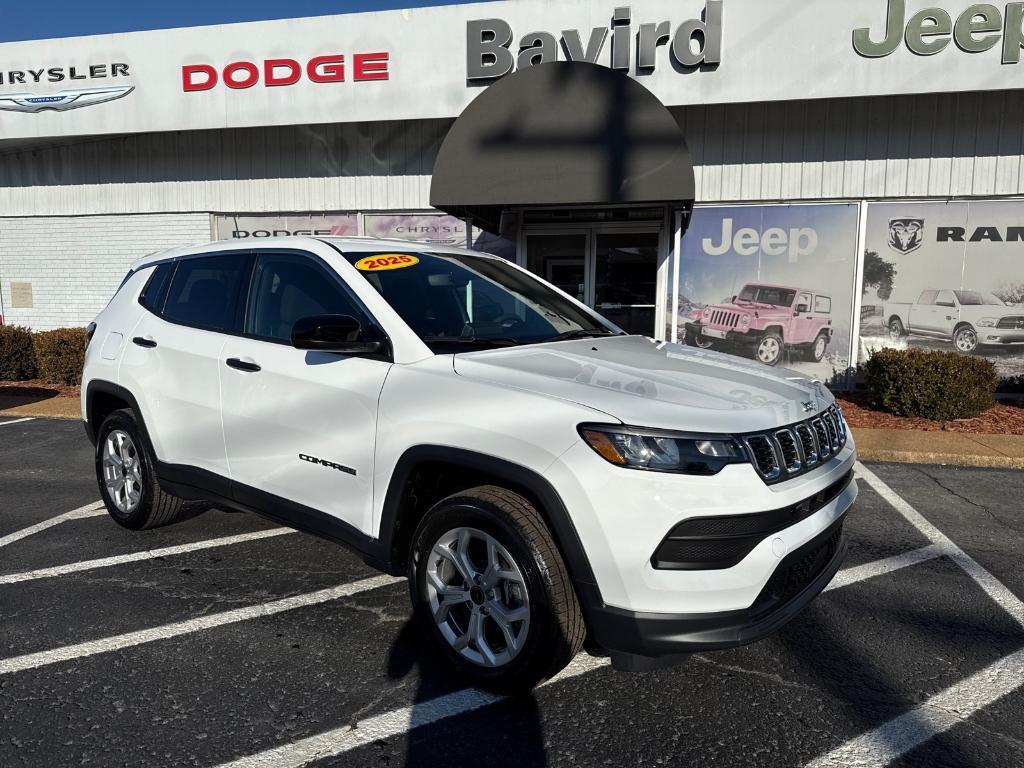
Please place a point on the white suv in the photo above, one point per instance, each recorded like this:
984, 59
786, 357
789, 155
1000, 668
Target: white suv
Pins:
540, 476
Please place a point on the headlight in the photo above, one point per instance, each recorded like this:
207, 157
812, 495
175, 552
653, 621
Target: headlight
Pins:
745, 320
707, 311
988, 322
662, 451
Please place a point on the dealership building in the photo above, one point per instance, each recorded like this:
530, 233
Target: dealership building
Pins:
650, 158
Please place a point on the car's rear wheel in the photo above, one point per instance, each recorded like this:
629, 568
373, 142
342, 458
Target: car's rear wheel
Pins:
491, 590
769, 349
127, 478
816, 352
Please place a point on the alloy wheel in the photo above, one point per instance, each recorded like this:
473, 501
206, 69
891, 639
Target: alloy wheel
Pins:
122, 471
966, 340
768, 350
478, 597
819, 348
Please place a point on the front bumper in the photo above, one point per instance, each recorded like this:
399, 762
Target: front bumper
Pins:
997, 336
800, 578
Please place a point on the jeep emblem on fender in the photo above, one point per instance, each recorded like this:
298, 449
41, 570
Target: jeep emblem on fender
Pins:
906, 235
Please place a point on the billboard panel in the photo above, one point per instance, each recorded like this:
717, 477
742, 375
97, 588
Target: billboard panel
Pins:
231, 227
773, 283
946, 276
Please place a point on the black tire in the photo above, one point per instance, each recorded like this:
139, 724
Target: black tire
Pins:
556, 629
693, 340
965, 339
815, 353
155, 506
896, 329
769, 349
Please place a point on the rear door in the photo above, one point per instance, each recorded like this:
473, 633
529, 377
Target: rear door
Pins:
923, 316
298, 424
171, 362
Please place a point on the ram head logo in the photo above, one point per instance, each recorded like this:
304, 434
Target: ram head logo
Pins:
906, 235
62, 101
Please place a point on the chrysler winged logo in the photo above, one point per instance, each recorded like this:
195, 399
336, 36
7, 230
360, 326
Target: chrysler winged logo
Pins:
62, 101
906, 235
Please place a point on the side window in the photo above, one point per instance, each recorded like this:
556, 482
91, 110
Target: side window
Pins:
945, 299
286, 287
823, 304
204, 291
155, 292
927, 298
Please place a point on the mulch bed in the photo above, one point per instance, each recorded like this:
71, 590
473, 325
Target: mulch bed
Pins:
1002, 419
36, 389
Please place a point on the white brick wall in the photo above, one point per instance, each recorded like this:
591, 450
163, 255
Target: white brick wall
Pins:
75, 263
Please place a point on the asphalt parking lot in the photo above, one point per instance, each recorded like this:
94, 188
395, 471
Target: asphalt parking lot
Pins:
226, 640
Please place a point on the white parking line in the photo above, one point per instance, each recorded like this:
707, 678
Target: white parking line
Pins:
384, 726
118, 642
89, 510
995, 589
954, 705
399, 721
941, 712
16, 421
857, 573
149, 554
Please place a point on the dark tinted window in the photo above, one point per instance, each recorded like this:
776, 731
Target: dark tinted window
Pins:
287, 287
205, 291
155, 292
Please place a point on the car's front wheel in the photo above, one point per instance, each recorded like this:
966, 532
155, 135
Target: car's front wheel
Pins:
966, 339
491, 590
127, 478
769, 349
698, 340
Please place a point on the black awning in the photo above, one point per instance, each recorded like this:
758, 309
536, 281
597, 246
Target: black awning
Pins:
561, 133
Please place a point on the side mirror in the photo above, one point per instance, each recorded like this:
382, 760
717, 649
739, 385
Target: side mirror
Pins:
332, 333
802, 308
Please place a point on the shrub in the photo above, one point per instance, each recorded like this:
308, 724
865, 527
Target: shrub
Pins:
60, 355
941, 386
17, 357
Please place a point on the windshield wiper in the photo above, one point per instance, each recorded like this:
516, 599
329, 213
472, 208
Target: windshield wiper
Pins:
494, 341
579, 333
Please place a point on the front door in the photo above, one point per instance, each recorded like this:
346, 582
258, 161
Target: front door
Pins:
614, 271
300, 425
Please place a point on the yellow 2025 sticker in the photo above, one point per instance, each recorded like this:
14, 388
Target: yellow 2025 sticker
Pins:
383, 261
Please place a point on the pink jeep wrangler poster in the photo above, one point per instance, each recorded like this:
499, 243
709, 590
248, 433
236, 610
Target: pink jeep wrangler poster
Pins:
770, 283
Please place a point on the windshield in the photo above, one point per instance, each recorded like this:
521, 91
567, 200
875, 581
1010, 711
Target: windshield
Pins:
976, 299
456, 300
763, 294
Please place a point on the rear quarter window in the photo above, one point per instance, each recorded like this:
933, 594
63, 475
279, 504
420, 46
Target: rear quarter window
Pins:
823, 304
155, 292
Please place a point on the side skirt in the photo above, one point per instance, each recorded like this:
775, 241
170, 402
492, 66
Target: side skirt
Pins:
196, 484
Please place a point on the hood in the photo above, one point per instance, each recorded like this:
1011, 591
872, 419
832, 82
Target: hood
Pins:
650, 384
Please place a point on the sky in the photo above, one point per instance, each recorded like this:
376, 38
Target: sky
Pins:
68, 18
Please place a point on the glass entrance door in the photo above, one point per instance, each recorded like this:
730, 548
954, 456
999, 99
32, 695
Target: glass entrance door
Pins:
613, 271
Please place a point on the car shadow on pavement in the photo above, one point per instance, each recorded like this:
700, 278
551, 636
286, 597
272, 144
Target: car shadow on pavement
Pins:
432, 745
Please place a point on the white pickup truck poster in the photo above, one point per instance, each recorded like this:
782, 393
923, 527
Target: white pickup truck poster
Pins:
946, 276
773, 283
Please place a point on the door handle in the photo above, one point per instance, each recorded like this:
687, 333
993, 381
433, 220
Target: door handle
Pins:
144, 341
243, 365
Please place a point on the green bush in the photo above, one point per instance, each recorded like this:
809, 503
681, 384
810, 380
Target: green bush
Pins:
60, 355
941, 386
17, 357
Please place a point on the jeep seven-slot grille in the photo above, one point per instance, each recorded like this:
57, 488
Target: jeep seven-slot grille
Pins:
796, 449
723, 318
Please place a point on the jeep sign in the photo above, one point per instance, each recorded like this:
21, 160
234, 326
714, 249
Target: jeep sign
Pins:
775, 241
929, 32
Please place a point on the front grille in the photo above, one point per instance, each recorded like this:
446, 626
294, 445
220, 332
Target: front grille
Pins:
1011, 323
796, 449
721, 317
714, 543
